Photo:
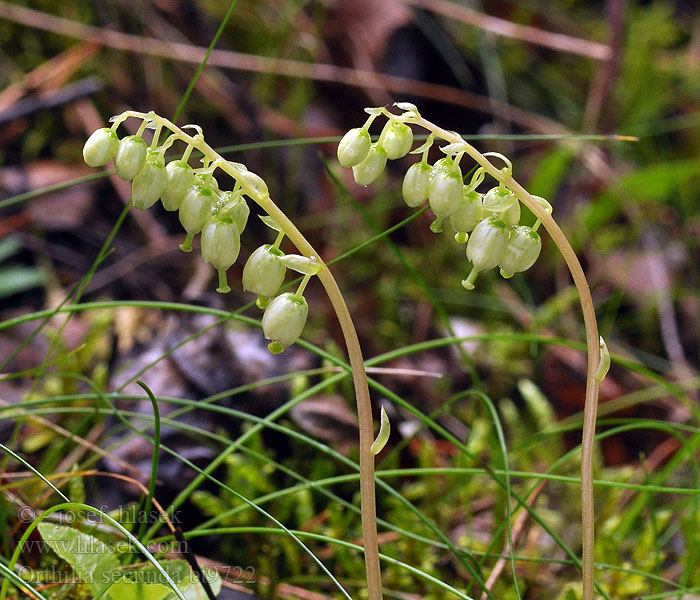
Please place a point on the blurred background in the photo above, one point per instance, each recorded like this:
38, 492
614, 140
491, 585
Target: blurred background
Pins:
597, 104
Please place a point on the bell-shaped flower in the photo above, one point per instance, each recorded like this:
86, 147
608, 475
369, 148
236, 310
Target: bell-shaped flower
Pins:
180, 178
131, 157
354, 147
522, 250
264, 272
149, 184
100, 147
371, 167
284, 320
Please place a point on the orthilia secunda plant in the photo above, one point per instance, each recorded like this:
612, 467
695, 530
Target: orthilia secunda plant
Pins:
219, 217
492, 218
203, 208
489, 224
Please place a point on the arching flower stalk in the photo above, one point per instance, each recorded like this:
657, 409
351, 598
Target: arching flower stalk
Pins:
488, 224
220, 217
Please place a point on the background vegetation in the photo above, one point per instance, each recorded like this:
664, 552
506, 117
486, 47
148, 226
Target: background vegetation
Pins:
483, 388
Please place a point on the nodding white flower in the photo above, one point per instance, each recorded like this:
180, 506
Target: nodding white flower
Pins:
354, 147
195, 210
522, 250
396, 138
416, 183
149, 184
468, 215
131, 157
499, 199
221, 243
511, 216
445, 193
284, 320
100, 147
180, 179
233, 205
264, 272
371, 167
485, 247
487, 243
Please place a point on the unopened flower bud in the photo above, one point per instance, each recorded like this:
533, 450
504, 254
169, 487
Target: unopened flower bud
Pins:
195, 210
469, 213
100, 147
258, 188
354, 147
264, 272
396, 139
149, 184
371, 167
445, 194
131, 157
511, 216
180, 179
284, 320
499, 199
221, 243
235, 207
416, 184
487, 243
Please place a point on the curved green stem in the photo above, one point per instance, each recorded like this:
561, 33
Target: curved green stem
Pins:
592, 341
364, 406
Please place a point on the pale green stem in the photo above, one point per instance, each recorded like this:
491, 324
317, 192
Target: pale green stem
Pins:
143, 126
302, 286
187, 152
592, 343
278, 239
359, 376
156, 137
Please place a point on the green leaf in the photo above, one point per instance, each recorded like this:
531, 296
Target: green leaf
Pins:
301, 264
196, 591
126, 589
270, 222
91, 559
550, 173
147, 583
18, 279
8, 247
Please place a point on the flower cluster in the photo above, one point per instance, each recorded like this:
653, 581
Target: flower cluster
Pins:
203, 208
488, 223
